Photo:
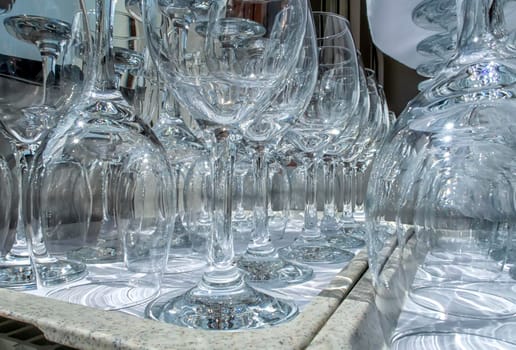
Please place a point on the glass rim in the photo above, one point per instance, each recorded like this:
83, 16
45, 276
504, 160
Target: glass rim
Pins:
334, 15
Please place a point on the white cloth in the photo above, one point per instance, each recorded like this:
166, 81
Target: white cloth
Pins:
396, 35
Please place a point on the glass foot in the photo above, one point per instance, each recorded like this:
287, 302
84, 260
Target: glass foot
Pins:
345, 241
315, 251
273, 271
16, 275
19, 250
60, 271
181, 264
355, 230
112, 295
225, 307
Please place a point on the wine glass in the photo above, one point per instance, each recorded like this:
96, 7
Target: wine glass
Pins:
35, 94
373, 134
261, 260
223, 63
102, 197
185, 152
328, 114
345, 150
129, 59
440, 200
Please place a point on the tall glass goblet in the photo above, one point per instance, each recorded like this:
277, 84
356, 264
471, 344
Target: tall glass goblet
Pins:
378, 126
335, 97
35, 94
345, 149
224, 62
261, 259
101, 195
372, 132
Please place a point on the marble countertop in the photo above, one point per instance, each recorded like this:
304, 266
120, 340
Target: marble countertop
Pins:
355, 323
87, 328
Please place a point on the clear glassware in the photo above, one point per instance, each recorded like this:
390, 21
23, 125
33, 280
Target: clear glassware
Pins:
35, 93
130, 54
374, 133
243, 195
441, 45
440, 203
345, 150
279, 190
185, 153
49, 35
261, 261
224, 62
102, 199
336, 95
148, 95
13, 274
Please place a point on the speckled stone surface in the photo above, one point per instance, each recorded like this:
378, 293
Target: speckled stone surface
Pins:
354, 325
88, 328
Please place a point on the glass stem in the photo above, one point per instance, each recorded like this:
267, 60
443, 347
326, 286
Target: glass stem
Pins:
329, 186
260, 244
205, 221
103, 56
221, 252
239, 190
19, 247
48, 62
478, 21
359, 190
310, 229
347, 196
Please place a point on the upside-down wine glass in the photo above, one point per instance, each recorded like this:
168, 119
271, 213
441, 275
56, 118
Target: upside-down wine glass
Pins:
30, 107
49, 35
440, 206
224, 61
335, 96
151, 99
101, 195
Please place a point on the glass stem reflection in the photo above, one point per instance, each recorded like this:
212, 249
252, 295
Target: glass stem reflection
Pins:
24, 156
